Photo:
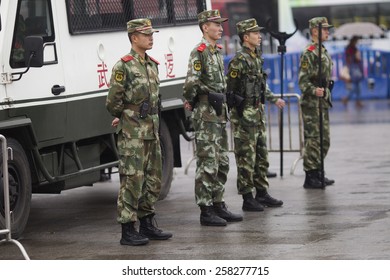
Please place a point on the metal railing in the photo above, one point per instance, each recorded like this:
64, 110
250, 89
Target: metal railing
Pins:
7, 212
294, 128
295, 142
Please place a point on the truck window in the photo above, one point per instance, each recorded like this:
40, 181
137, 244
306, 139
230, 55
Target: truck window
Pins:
87, 16
33, 18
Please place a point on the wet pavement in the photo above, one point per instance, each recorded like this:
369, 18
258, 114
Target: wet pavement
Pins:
349, 220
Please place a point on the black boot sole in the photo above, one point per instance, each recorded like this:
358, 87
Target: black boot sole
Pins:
232, 219
252, 209
271, 205
133, 243
157, 237
213, 224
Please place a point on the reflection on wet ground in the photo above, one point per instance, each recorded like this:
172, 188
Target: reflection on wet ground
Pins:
349, 220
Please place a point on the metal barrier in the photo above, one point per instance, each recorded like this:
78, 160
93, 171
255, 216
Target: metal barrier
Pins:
291, 138
291, 99
7, 212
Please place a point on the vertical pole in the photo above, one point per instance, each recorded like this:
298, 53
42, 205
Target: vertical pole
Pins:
5, 186
281, 114
321, 125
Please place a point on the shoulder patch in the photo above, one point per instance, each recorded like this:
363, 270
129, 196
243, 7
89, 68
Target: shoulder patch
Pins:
127, 58
234, 73
202, 47
219, 46
154, 60
119, 75
197, 65
311, 48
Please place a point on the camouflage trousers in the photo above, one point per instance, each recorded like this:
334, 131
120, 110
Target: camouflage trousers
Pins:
140, 178
311, 126
212, 162
250, 150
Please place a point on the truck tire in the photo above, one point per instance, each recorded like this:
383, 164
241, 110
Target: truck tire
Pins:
167, 159
19, 189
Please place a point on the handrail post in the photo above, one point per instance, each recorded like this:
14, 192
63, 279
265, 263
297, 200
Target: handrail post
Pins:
7, 213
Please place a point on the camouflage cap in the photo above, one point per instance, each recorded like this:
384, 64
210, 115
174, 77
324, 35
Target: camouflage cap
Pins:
142, 25
248, 25
210, 15
314, 22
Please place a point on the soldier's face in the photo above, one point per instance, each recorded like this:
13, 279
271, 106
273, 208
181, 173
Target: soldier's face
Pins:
213, 30
253, 38
324, 33
143, 41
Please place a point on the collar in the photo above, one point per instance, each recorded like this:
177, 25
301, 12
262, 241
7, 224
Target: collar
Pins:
253, 54
211, 48
139, 58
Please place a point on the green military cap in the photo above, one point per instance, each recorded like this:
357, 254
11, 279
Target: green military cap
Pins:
142, 25
248, 25
314, 22
210, 15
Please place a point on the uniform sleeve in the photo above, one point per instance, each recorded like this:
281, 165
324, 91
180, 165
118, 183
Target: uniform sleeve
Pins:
233, 76
114, 101
193, 84
305, 74
269, 95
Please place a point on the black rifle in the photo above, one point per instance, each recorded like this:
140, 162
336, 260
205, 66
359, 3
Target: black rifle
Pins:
320, 104
159, 106
237, 101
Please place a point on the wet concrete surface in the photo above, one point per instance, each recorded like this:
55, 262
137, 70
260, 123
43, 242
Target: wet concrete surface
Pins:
349, 220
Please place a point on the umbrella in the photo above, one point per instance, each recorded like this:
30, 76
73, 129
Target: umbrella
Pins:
362, 29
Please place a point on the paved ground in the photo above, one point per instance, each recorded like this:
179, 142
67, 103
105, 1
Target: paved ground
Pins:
349, 220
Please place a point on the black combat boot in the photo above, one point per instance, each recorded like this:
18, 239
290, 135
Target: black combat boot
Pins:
312, 180
271, 174
221, 211
265, 199
327, 181
251, 204
131, 237
209, 218
150, 231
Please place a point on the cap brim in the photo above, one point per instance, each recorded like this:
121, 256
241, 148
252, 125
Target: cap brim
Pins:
150, 31
255, 28
219, 20
324, 26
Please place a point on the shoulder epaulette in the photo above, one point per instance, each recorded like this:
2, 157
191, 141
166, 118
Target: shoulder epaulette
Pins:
311, 48
154, 60
127, 58
202, 47
219, 46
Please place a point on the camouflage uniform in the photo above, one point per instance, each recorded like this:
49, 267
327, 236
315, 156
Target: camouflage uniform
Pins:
308, 82
205, 79
246, 79
206, 74
134, 81
245, 76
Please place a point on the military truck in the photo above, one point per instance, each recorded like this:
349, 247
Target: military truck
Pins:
55, 66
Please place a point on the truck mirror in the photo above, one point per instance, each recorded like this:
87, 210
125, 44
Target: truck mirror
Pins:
33, 49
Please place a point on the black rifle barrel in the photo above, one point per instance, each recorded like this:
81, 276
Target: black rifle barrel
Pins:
320, 104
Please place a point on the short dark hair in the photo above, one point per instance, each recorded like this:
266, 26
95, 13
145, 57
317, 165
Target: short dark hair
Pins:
131, 34
201, 25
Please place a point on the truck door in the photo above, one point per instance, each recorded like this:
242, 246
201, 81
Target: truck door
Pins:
40, 93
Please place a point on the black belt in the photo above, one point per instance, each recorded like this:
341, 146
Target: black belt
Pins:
205, 97
137, 108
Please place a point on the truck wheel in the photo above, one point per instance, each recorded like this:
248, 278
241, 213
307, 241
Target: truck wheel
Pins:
167, 159
19, 189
